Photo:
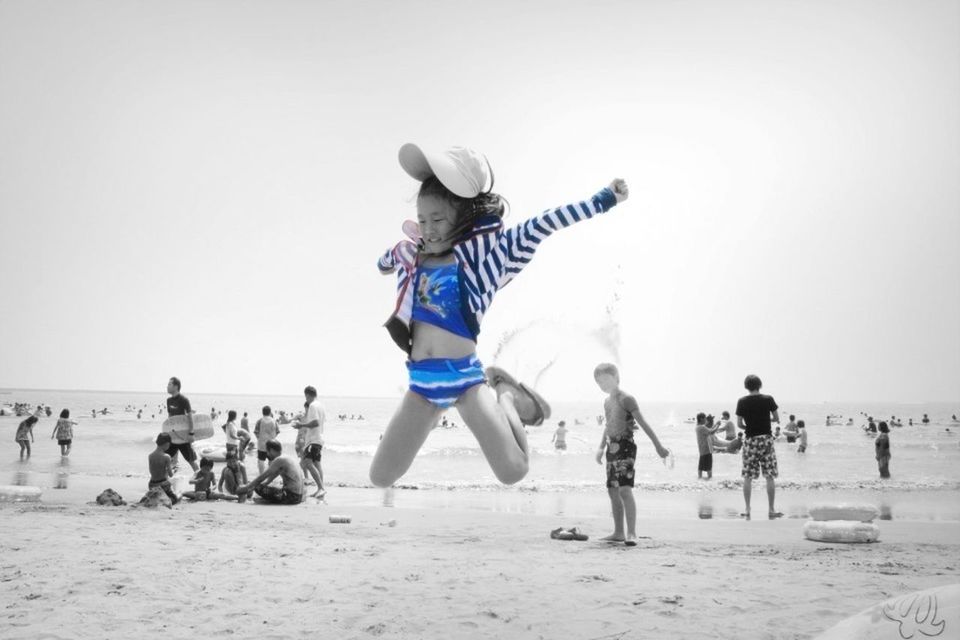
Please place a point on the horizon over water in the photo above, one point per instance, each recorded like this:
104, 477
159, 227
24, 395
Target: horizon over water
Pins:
451, 472
592, 398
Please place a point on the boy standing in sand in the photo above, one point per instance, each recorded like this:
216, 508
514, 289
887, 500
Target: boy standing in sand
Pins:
161, 468
311, 426
754, 413
622, 416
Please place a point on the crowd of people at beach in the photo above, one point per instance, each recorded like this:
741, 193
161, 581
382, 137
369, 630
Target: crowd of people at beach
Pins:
449, 266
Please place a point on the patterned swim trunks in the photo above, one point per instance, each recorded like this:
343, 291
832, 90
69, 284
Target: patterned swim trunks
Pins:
621, 456
759, 455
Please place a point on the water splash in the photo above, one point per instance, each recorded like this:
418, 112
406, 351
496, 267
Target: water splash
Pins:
608, 333
536, 380
509, 337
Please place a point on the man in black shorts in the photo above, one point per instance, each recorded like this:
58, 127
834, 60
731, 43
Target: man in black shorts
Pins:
754, 413
179, 405
289, 472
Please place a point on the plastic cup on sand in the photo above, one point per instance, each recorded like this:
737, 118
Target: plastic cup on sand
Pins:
340, 519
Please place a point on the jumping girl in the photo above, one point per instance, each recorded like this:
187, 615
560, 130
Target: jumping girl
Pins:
458, 257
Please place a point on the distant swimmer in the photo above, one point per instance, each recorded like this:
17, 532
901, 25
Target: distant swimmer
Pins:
559, 439
926, 420
801, 427
882, 450
790, 429
729, 443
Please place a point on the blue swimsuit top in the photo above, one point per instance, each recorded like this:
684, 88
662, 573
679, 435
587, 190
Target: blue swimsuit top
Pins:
436, 300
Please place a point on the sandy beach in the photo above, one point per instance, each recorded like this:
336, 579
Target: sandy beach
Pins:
72, 569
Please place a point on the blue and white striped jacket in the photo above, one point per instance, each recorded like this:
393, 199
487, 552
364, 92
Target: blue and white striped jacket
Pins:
488, 256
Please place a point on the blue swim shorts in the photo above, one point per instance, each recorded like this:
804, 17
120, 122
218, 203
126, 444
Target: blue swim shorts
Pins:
443, 381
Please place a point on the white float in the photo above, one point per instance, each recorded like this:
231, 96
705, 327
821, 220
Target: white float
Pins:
18, 493
840, 531
931, 613
855, 512
213, 452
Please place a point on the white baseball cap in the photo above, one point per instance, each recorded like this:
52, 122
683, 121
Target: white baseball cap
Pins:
463, 171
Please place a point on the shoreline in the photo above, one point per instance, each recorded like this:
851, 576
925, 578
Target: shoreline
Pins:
709, 502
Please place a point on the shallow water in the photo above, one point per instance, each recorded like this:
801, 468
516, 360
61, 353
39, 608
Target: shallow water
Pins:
838, 463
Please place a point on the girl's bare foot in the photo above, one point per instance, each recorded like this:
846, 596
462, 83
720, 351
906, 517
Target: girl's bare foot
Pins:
614, 537
631, 540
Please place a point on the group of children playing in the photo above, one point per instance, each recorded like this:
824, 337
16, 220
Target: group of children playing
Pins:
62, 431
233, 483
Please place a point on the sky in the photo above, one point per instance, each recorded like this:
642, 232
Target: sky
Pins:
202, 189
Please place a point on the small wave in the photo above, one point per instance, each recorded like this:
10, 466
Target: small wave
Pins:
669, 487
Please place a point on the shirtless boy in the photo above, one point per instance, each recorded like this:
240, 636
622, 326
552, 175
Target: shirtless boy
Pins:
161, 470
622, 416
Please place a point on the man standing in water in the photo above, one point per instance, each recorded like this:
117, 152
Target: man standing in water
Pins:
180, 441
311, 426
754, 413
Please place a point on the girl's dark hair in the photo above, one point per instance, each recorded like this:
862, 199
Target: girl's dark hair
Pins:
231, 415
65, 413
883, 427
468, 209
206, 463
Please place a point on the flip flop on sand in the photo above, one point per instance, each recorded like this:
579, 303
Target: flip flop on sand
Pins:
568, 534
530, 405
745, 516
773, 515
561, 534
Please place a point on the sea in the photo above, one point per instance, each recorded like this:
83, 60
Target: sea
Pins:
451, 472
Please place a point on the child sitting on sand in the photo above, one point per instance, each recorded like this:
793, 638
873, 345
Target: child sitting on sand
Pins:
459, 256
233, 476
882, 448
203, 484
63, 432
622, 416
161, 469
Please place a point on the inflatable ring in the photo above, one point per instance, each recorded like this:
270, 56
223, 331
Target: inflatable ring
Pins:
840, 531
217, 454
932, 613
855, 512
17, 493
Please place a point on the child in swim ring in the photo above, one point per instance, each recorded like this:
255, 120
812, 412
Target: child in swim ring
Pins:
457, 259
